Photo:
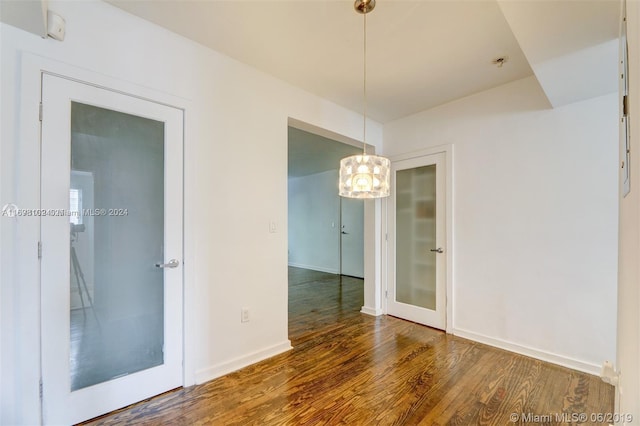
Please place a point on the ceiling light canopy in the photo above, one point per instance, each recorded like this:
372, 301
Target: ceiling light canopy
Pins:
364, 176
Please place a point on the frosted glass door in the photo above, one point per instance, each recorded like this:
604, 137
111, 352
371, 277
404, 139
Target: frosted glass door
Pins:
416, 237
111, 256
417, 275
117, 193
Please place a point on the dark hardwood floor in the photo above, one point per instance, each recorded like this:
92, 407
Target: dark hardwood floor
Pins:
353, 369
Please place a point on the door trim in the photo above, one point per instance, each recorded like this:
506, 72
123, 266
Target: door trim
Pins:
448, 151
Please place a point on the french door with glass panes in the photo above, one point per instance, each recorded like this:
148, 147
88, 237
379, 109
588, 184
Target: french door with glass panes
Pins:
111, 249
417, 236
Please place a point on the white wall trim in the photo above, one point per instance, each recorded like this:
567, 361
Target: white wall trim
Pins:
371, 311
235, 364
314, 268
446, 148
563, 361
26, 236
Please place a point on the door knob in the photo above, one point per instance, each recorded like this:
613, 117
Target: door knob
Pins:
173, 263
437, 250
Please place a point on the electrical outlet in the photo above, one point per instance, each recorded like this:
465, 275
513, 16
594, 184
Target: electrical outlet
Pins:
244, 315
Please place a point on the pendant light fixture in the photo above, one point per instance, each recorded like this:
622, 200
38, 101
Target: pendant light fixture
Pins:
364, 175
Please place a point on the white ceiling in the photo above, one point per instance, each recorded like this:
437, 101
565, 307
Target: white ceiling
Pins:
420, 53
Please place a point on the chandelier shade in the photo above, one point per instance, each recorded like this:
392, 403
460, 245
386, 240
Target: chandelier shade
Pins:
364, 176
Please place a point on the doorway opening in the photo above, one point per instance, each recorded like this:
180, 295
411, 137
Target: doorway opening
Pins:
326, 233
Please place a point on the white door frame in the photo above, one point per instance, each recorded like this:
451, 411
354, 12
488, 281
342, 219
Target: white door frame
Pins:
447, 150
27, 229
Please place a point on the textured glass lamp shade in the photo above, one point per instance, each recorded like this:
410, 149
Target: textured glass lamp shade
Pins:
364, 176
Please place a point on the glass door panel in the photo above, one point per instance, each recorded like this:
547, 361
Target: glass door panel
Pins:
117, 190
415, 236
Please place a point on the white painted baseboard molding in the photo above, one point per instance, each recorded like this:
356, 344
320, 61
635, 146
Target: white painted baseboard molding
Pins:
371, 311
564, 361
314, 268
227, 367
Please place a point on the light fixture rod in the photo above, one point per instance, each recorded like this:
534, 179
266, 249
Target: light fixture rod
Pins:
364, 86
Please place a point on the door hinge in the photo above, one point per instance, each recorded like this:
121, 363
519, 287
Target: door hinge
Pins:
40, 112
39, 249
40, 388
625, 105
386, 294
386, 236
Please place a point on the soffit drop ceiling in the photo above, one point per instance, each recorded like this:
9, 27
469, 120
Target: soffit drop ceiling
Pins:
29, 15
571, 46
309, 153
420, 53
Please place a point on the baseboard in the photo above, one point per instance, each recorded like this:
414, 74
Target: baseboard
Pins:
564, 361
221, 369
315, 268
371, 311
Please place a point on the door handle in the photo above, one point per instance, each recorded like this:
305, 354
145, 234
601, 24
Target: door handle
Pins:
437, 250
345, 233
173, 263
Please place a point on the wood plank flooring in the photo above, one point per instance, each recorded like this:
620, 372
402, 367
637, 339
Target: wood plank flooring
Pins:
348, 368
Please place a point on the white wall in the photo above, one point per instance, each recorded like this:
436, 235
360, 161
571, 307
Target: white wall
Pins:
314, 222
628, 363
235, 184
534, 219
